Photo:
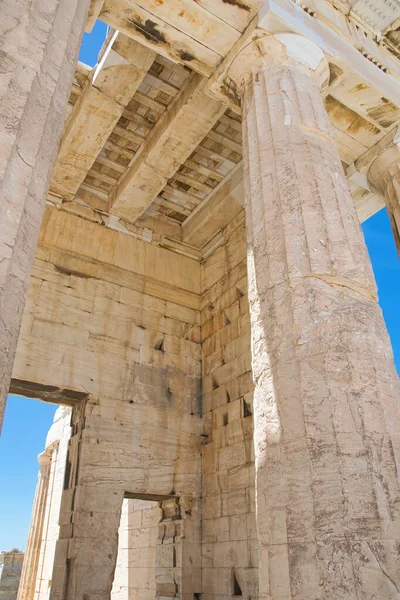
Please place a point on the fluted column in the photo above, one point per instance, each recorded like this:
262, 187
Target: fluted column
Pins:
326, 393
384, 175
31, 561
40, 42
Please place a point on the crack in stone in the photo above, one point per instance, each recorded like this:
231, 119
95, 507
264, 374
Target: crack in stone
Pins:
366, 291
382, 569
315, 131
22, 158
352, 414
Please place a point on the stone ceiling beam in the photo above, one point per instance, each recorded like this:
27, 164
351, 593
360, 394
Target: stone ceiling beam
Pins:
123, 63
208, 18
177, 134
194, 20
93, 14
222, 205
195, 34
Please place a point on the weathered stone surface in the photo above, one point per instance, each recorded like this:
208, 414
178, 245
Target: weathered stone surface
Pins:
138, 431
229, 541
326, 391
109, 89
40, 44
170, 143
10, 573
114, 452
135, 571
138, 308
384, 175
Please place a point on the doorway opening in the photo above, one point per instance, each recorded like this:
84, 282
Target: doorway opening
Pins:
135, 573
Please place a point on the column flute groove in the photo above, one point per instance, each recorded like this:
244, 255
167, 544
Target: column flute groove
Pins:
326, 392
31, 561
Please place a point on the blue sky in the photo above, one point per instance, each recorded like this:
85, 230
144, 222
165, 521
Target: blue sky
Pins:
92, 43
27, 421
386, 265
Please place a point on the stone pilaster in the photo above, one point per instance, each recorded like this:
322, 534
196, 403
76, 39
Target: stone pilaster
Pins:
384, 175
178, 559
90, 514
326, 410
31, 561
39, 44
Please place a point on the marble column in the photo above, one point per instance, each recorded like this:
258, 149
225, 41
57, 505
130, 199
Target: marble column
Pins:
326, 392
384, 175
31, 561
39, 48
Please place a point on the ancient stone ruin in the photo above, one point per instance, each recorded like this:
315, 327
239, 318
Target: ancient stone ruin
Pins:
10, 573
183, 271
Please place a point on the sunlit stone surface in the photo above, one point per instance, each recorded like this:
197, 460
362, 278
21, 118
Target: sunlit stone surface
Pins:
172, 281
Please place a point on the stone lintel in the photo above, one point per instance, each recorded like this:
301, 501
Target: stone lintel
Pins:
197, 35
46, 393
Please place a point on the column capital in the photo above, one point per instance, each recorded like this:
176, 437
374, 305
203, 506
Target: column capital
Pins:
267, 51
384, 177
386, 165
45, 457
